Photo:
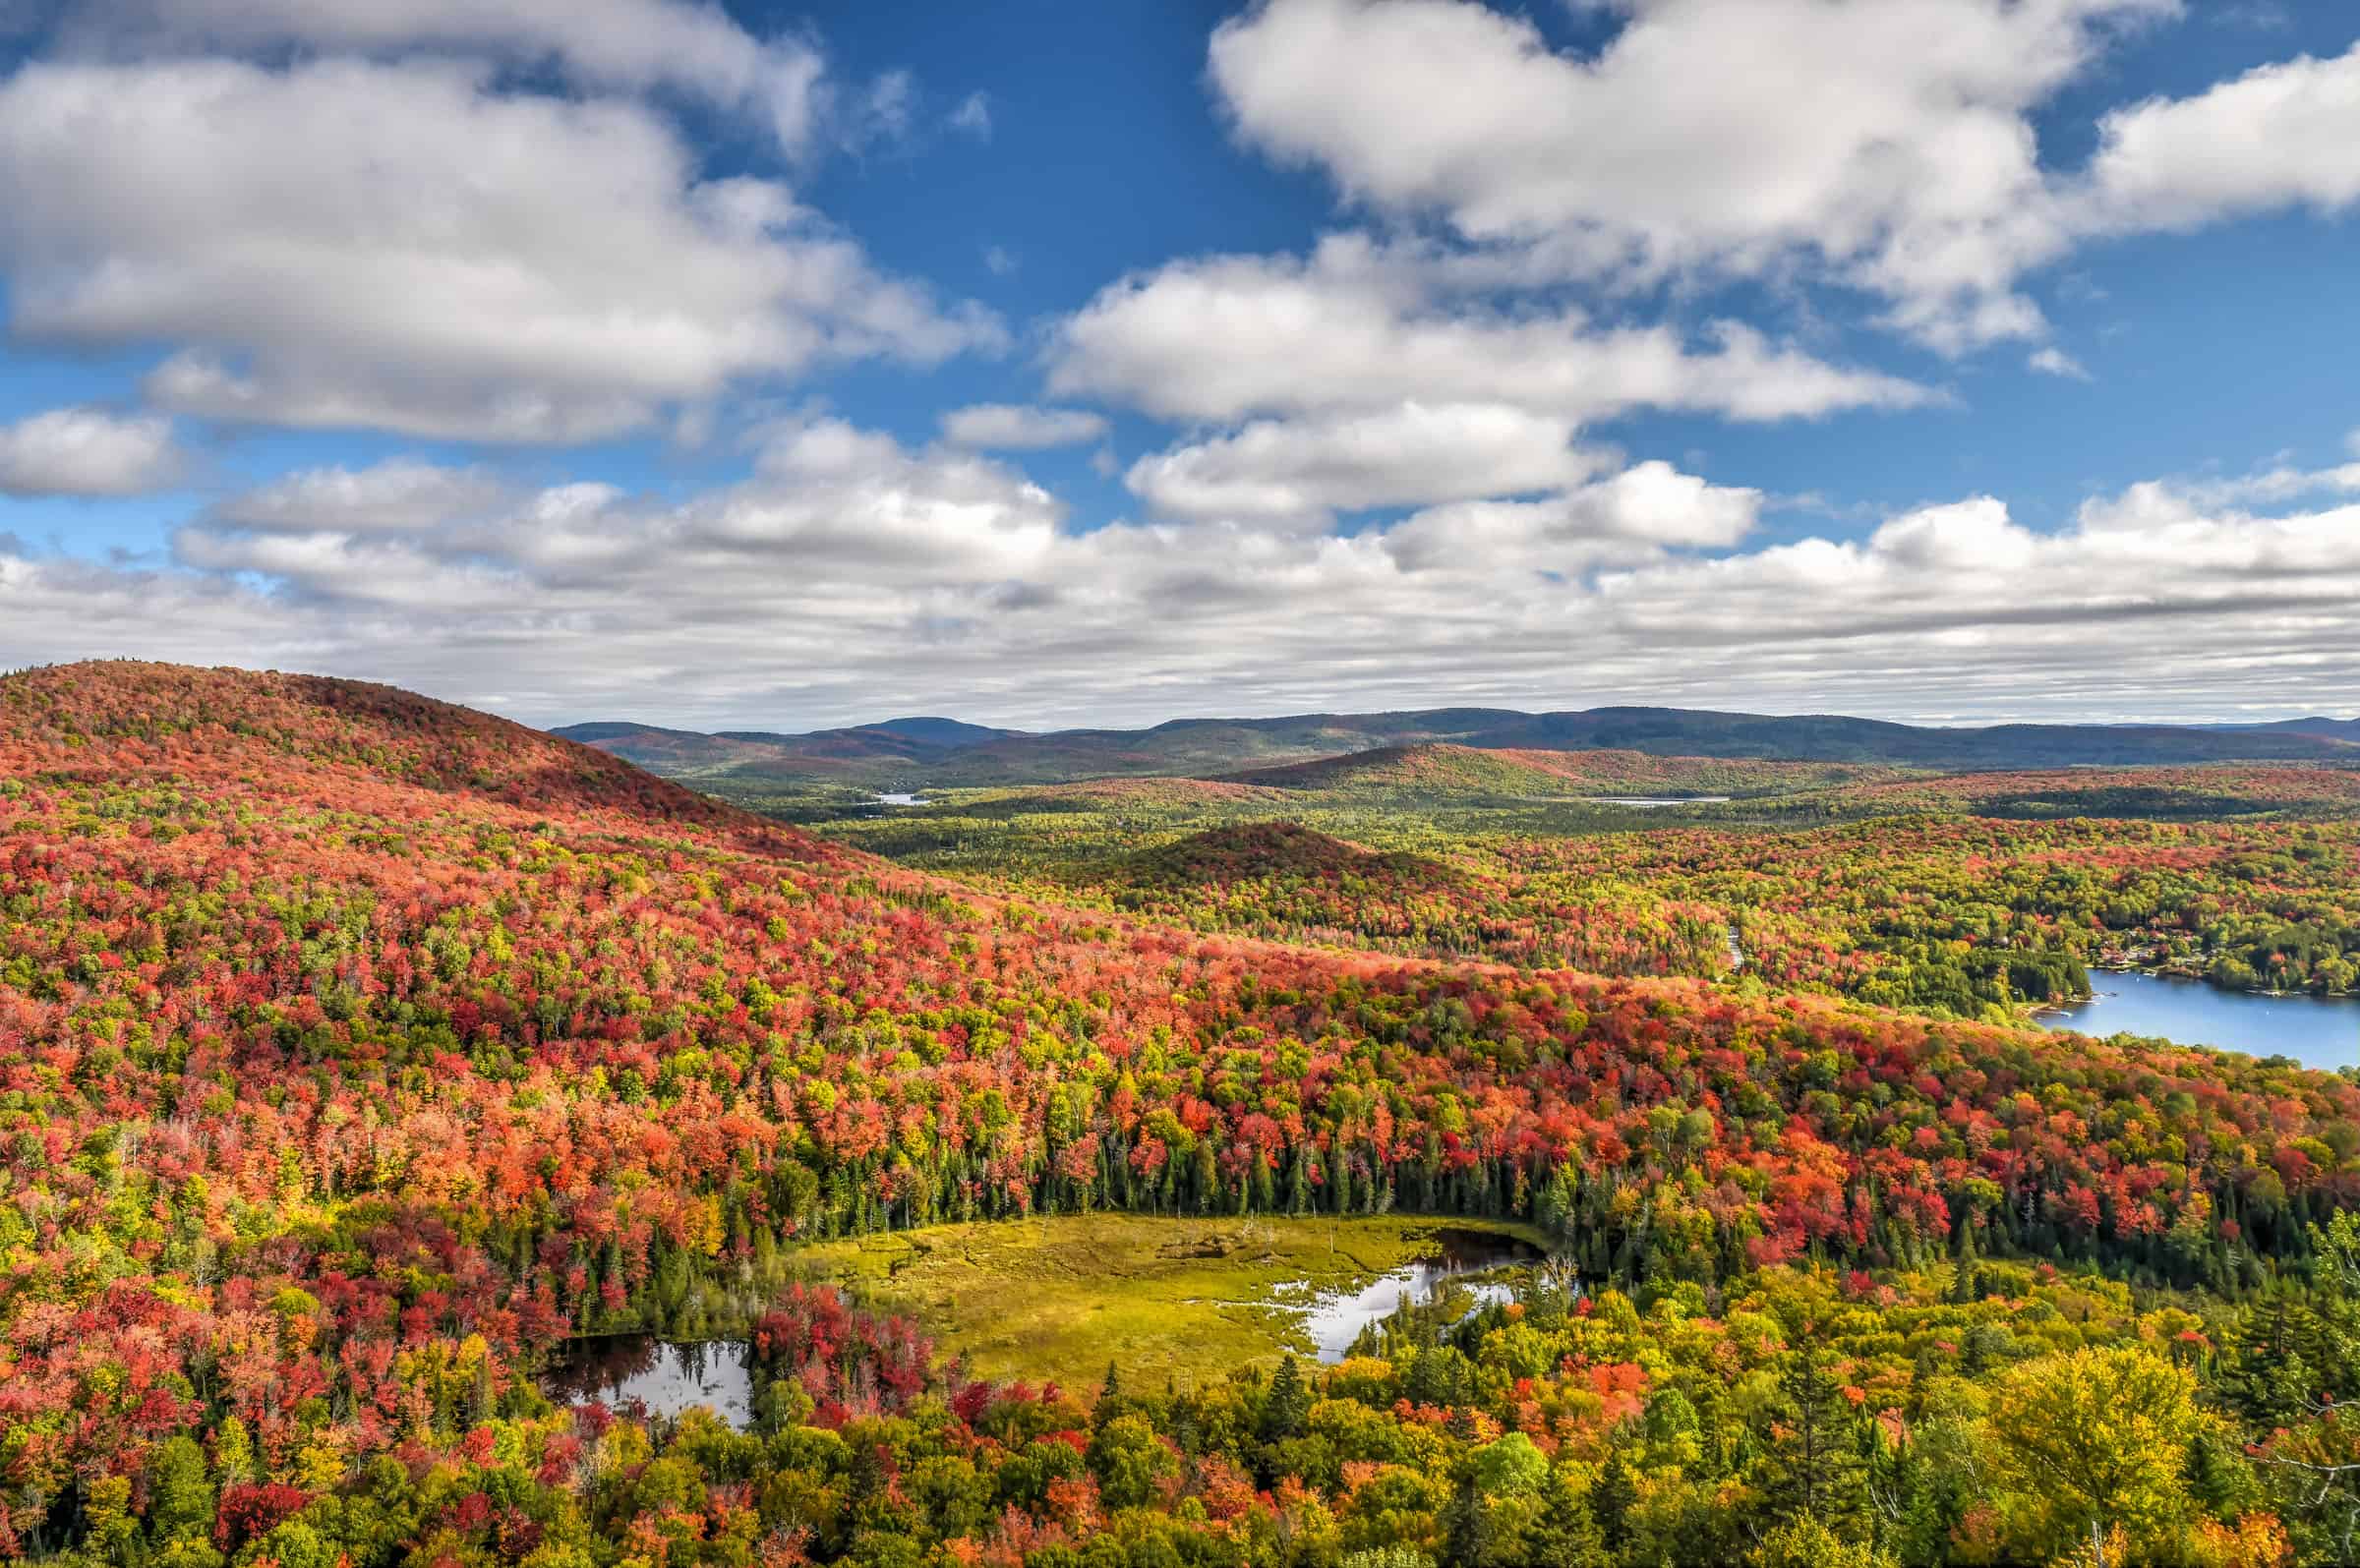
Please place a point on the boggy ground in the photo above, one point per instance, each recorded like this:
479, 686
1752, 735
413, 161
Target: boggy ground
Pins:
1185, 1298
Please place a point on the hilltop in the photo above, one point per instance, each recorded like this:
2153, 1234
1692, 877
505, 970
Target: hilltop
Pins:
110, 720
1434, 766
859, 751
1259, 850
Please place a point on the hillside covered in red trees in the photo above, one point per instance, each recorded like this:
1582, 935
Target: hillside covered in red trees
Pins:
356, 1049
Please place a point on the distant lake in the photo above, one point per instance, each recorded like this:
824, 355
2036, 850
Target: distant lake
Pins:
1652, 802
898, 800
2317, 1031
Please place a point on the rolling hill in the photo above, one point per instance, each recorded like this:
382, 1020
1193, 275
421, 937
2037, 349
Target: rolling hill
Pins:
2344, 730
1440, 768
942, 753
360, 1053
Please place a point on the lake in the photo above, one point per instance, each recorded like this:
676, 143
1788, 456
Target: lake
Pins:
667, 1376
2317, 1031
1656, 802
899, 799
1334, 1319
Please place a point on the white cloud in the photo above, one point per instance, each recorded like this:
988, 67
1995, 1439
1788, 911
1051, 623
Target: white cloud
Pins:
832, 509
1630, 517
884, 112
1300, 471
2054, 361
348, 243
1225, 337
1889, 147
2280, 136
400, 495
630, 44
973, 116
87, 451
1889, 143
2135, 599
850, 566
1018, 427
2266, 486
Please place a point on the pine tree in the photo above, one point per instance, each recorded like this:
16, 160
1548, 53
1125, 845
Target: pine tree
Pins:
1110, 1399
1816, 1470
1610, 1501
1286, 1409
1468, 1537
1567, 1533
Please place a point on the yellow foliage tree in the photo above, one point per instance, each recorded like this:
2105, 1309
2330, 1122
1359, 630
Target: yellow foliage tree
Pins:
2090, 1446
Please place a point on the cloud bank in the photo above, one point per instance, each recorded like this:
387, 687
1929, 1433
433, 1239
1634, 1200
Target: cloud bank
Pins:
851, 574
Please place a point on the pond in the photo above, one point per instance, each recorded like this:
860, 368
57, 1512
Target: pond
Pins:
2317, 1031
1656, 802
1306, 1307
1334, 1318
667, 1376
893, 798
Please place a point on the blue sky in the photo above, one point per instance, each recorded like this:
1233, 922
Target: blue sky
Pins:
1954, 361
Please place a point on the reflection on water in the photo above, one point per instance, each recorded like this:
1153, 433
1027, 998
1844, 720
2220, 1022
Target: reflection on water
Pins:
1654, 803
2317, 1031
1334, 1318
667, 1376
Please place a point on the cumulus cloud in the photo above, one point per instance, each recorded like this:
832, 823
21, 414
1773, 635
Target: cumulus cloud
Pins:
1018, 427
410, 248
2146, 586
88, 451
1350, 326
2280, 136
1301, 472
1891, 144
1630, 517
832, 509
634, 45
1886, 147
400, 495
850, 574
2263, 487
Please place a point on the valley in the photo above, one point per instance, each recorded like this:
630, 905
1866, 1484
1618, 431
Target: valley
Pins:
1976, 895
369, 1061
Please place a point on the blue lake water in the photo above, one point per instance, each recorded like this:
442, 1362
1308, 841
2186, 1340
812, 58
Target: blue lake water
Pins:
2317, 1031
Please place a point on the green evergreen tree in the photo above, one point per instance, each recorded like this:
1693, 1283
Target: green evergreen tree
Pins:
1816, 1470
1567, 1535
1287, 1408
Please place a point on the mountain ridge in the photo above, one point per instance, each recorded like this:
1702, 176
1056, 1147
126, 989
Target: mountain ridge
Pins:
1214, 747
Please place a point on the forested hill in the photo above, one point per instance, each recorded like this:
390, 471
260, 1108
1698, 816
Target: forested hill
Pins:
359, 1049
108, 721
943, 754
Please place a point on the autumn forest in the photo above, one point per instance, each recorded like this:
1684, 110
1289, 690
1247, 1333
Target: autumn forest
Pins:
360, 1055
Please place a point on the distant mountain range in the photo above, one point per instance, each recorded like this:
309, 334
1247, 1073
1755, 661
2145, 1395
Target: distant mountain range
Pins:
2345, 730
945, 752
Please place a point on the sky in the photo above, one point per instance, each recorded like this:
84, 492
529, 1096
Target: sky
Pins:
1050, 365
